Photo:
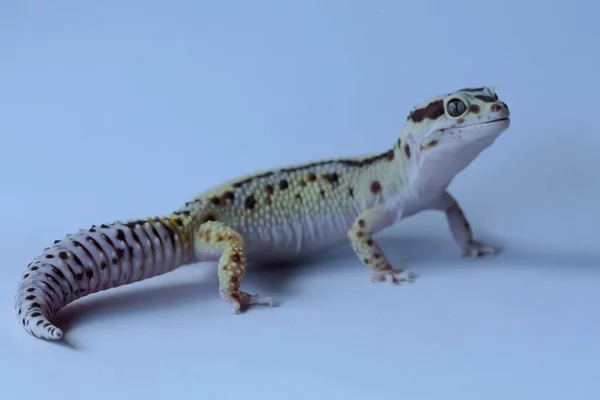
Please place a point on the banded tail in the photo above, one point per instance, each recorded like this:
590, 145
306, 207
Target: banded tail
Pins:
97, 259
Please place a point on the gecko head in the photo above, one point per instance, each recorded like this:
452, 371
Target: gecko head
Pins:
444, 134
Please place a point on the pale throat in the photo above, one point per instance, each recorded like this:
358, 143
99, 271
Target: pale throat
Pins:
434, 169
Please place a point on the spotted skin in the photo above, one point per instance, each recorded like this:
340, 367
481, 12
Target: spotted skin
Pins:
220, 240
368, 251
280, 214
96, 259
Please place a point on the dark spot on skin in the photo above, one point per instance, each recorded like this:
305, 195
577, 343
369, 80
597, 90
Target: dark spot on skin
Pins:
131, 251
229, 196
120, 235
350, 162
369, 242
351, 192
333, 178
25, 276
474, 108
460, 121
115, 260
103, 265
375, 187
360, 234
322, 193
56, 241
35, 305
298, 197
389, 155
251, 178
92, 230
433, 111
35, 268
219, 238
399, 143
79, 276
495, 108
269, 189
486, 99
250, 202
120, 253
30, 297
20, 311
58, 272
41, 321
104, 226
30, 289
377, 256
63, 255
407, 150
49, 256
472, 89
361, 223
208, 217
431, 144
77, 260
283, 184
36, 314
215, 200
235, 258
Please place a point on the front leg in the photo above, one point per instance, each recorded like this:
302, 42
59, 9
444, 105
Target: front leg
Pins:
461, 229
368, 251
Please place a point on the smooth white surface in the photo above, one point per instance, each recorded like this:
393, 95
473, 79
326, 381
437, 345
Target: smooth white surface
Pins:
112, 110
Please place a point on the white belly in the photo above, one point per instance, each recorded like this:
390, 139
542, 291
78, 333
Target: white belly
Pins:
296, 238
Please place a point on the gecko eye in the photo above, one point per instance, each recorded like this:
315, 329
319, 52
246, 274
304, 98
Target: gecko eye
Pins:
456, 107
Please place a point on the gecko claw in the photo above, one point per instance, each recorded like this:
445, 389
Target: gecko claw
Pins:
394, 276
246, 300
478, 249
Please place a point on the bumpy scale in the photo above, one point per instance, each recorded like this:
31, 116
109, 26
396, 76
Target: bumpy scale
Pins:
280, 214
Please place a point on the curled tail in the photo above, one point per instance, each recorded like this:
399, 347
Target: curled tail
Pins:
96, 259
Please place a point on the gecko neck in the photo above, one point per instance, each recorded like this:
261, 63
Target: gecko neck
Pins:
382, 177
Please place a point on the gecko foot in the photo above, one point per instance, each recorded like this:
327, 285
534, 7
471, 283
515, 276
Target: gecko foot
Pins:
395, 276
246, 300
477, 249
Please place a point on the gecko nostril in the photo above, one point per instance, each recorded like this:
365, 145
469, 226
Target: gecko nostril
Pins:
496, 107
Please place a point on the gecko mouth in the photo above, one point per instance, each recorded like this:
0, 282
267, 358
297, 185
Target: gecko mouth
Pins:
496, 120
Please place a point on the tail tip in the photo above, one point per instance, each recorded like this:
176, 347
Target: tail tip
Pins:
49, 333
57, 334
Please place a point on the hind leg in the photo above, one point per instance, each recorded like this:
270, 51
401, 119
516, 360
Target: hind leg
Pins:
215, 237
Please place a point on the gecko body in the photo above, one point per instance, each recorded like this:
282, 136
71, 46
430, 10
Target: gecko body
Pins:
280, 214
